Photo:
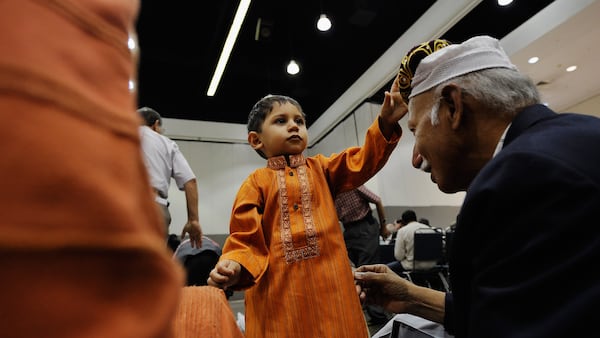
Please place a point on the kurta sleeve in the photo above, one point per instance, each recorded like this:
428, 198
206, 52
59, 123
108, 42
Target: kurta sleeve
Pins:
354, 166
246, 244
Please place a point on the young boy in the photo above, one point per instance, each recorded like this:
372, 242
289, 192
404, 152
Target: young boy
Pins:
286, 246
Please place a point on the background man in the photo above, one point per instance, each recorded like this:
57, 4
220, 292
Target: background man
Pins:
362, 231
404, 247
164, 161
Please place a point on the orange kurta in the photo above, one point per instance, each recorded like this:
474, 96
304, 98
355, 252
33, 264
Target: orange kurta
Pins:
82, 245
285, 232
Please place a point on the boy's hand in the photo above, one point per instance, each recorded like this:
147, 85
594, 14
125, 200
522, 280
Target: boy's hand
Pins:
225, 274
393, 109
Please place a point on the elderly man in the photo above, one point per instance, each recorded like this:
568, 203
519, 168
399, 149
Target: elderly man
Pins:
527, 238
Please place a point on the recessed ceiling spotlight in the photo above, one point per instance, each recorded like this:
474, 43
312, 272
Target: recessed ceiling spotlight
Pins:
533, 60
504, 2
571, 68
293, 68
323, 24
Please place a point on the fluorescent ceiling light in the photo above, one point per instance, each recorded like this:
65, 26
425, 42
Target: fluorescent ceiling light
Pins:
233, 33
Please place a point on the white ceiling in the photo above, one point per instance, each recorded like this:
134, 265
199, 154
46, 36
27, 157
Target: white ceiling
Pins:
565, 33
576, 41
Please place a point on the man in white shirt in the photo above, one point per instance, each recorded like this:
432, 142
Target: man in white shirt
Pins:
405, 243
164, 161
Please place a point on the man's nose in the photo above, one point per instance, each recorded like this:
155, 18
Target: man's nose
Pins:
417, 159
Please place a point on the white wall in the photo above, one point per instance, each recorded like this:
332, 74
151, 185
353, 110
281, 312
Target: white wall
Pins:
220, 169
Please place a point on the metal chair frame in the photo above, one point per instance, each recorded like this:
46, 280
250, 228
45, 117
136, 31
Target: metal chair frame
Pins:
429, 246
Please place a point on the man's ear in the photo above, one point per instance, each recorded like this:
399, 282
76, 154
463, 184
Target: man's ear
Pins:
452, 98
254, 140
156, 126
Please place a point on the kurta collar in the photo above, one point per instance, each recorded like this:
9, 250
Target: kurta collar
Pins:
279, 162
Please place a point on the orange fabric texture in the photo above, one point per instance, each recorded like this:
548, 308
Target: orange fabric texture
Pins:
82, 245
285, 232
205, 312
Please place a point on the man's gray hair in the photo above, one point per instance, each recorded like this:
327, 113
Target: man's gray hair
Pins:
502, 90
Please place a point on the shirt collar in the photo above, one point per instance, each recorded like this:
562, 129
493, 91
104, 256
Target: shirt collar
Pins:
279, 162
501, 141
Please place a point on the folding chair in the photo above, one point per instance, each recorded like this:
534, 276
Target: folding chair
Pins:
428, 253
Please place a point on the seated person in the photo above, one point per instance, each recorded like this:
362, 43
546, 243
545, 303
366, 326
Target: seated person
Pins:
198, 262
173, 242
404, 246
392, 229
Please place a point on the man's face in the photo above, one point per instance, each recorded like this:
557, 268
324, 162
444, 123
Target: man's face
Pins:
438, 147
283, 132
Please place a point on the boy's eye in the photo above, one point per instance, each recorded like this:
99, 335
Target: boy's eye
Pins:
280, 120
300, 121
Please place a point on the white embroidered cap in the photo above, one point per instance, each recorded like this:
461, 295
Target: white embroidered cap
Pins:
477, 53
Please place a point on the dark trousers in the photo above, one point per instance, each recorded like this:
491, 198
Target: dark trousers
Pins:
362, 242
164, 210
396, 267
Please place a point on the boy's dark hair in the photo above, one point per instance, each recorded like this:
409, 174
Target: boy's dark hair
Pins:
263, 107
150, 116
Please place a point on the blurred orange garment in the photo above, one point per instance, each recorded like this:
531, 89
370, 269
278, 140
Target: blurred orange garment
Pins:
82, 246
205, 312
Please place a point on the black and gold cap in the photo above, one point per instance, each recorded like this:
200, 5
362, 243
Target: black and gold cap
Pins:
412, 59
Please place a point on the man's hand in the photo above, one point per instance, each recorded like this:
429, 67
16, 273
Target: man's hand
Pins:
193, 229
378, 284
383, 231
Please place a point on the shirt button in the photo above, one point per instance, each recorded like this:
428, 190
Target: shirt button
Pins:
291, 173
295, 206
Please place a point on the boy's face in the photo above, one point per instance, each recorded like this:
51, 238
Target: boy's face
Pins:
283, 132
